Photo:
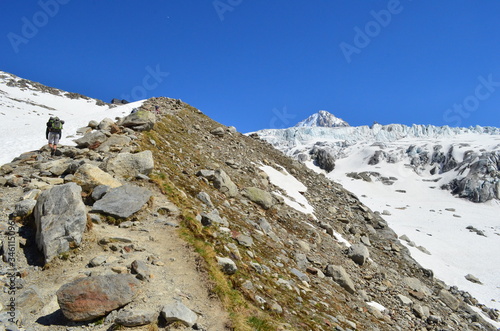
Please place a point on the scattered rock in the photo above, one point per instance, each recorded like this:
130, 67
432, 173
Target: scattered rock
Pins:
132, 317
472, 279
340, 276
227, 265
358, 253
123, 201
88, 298
260, 197
178, 312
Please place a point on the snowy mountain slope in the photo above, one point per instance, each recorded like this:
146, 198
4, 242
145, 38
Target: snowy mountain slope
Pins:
26, 106
322, 119
400, 171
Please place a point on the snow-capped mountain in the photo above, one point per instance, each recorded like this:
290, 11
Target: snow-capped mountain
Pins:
322, 119
25, 107
426, 181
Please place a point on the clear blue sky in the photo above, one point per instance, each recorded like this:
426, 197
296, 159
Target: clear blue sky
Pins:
259, 64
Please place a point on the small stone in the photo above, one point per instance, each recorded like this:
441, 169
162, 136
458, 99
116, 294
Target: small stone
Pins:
473, 279
227, 265
178, 312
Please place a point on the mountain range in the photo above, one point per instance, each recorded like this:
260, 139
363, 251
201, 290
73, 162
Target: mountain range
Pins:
375, 228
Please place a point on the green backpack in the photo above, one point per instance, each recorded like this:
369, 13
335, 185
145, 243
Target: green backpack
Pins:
56, 124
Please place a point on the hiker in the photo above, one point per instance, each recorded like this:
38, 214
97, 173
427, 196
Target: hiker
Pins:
53, 133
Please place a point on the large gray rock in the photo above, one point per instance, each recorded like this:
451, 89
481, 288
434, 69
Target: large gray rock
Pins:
60, 218
178, 312
340, 276
123, 201
260, 197
114, 141
56, 167
106, 124
130, 165
91, 138
358, 253
139, 121
88, 298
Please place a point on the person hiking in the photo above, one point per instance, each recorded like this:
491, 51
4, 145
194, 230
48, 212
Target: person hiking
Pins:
53, 133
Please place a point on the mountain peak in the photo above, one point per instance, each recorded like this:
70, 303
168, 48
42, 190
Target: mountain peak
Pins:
323, 119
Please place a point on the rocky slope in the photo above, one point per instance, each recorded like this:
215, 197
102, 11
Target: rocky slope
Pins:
249, 257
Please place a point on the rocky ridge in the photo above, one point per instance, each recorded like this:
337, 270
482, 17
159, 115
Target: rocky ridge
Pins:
24, 84
270, 266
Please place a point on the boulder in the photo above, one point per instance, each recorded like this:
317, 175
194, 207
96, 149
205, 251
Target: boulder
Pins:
114, 141
219, 131
223, 183
130, 165
123, 201
260, 197
60, 218
90, 139
56, 167
141, 120
340, 276
90, 176
91, 297
358, 253
106, 124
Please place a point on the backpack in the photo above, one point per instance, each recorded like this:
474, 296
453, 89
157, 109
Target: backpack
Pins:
56, 124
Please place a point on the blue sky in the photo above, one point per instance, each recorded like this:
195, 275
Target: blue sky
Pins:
259, 64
